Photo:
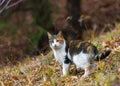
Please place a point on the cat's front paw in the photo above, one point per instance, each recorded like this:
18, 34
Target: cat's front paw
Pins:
63, 75
84, 77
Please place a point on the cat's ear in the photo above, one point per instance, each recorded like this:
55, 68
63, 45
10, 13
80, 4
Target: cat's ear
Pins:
49, 35
60, 34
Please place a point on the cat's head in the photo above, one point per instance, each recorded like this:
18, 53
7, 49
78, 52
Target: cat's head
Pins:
56, 41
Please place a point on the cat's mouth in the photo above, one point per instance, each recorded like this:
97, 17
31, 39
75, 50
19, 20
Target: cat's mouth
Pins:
56, 47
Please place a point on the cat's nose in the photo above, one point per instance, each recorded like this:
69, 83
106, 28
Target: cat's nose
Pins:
55, 45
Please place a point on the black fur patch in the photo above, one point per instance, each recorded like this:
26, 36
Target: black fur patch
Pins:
102, 55
67, 60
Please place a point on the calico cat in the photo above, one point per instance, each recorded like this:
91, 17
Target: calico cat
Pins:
82, 54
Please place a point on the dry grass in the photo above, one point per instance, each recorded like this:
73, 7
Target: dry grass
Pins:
43, 70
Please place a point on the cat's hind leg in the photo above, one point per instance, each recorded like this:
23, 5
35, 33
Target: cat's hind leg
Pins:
87, 72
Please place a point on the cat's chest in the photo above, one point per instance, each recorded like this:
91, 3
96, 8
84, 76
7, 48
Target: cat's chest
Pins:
60, 56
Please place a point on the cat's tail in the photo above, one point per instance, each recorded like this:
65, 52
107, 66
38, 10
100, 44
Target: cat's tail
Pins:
101, 56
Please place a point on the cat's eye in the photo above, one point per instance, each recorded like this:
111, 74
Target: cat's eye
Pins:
58, 40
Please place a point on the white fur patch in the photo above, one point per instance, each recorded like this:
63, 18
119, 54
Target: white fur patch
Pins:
60, 53
60, 56
81, 60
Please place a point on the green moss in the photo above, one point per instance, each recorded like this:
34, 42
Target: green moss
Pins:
42, 13
36, 35
2, 26
34, 38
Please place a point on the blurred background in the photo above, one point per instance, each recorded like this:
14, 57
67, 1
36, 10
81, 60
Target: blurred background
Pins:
24, 23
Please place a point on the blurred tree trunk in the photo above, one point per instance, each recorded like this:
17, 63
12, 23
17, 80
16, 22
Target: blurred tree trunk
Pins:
42, 17
74, 12
42, 14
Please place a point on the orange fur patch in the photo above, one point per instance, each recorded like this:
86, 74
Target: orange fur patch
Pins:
78, 45
89, 47
60, 39
70, 43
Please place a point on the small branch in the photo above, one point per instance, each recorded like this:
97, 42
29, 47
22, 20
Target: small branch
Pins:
14, 4
1, 2
7, 6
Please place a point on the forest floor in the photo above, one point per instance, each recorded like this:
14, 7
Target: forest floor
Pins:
43, 70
